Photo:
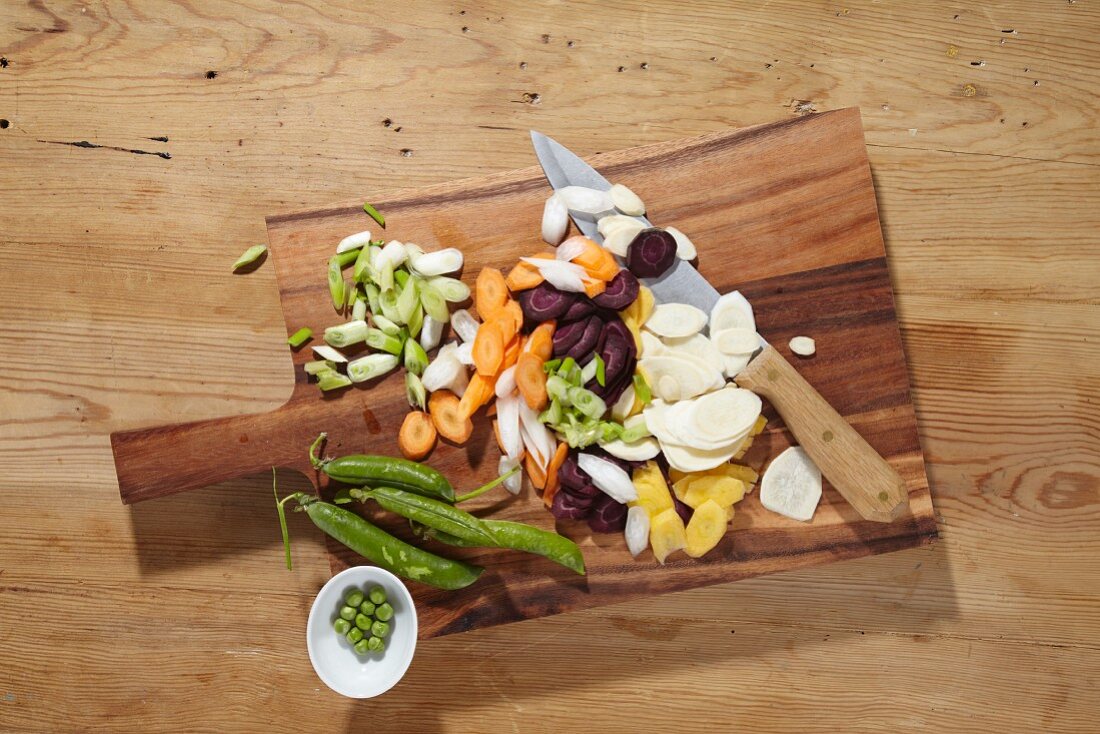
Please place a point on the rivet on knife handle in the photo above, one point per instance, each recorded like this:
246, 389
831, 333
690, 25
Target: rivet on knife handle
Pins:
862, 477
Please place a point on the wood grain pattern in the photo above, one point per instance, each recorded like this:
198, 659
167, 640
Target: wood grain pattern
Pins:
120, 311
810, 232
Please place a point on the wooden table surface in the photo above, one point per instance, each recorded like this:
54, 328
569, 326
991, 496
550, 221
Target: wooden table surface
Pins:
118, 309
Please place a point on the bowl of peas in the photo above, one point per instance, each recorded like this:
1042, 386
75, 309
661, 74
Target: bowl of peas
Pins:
361, 632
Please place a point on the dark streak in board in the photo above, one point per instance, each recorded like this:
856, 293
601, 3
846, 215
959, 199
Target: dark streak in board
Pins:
495, 127
159, 138
4, 62
86, 144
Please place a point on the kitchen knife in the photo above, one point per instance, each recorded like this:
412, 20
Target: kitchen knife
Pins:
852, 466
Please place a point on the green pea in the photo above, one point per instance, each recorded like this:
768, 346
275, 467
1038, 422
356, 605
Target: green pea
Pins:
347, 613
363, 646
380, 629
354, 635
376, 644
353, 598
378, 595
384, 612
367, 607
341, 626
363, 622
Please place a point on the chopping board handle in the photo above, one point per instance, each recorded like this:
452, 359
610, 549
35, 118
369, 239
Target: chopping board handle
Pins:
859, 473
155, 462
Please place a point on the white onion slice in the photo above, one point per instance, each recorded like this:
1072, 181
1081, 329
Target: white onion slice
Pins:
571, 248
430, 333
506, 383
353, 241
514, 482
555, 220
464, 324
564, 276
608, 478
508, 424
442, 371
465, 353
626, 201
440, 262
536, 437
637, 530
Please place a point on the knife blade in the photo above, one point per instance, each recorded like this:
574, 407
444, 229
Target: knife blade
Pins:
682, 283
862, 476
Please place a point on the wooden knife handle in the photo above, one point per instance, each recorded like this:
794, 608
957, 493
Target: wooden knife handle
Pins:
862, 477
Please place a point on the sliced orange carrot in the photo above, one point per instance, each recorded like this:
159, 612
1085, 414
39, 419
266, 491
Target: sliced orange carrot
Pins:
506, 325
522, 277
512, 308
488, 348
597, 262
552, 473
416, 438
541, 341
535, 472
478, 392
593, 288
445, 410
490, 293
531, 381
511, 352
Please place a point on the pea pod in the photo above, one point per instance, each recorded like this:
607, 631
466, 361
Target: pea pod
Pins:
430, 512
527, 538
383, 549
363, 469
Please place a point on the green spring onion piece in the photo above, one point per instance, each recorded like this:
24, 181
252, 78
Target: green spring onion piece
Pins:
558, 389
566, 367
416, 359
552, 414
383, 274
351, 292
249, 256
335, 283
299, 337
332, 381
453, 290
374, 214
635, 433
370, 366
587, 402
434, 303
601, 372
373, 295
378, 339
589, 372
415, 392
610, 431
409, 299
388, 303
344, 335
359, 309
362, 260
386, 325
551, 366
416, 321
641, 389
401, 277
347, 257
318, 366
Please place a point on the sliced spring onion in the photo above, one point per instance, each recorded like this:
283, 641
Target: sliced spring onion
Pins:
371, 366
362, 261
589, 371
439, 262
335, 283
609, 431
347, 334
445, 371
601, 371
382, 273
434, 303
359, 309
388, 303
558, 389
416, 359
346, 258
509, 464
318, 366
378, 339
327, 352
300, 337
464, 324
508, 425
641, 389
414, 390
636, 432
332, 381
452, 289
374, 214
587, 402
373, 294
506, 383
432, 331
381, 322
353, 242
409, 298
400, 278
351, 291
249, 256
416, 321
551, 366
566, 367
553, 413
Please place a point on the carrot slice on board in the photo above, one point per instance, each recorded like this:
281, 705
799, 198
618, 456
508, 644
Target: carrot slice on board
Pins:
531, 381
552, 473
593, 288
478, 392
488, 349
522, 277
512, 308
445, 410
541, 341
511, 352
490, 293
534, 471
416, 439
597, 262
506, 324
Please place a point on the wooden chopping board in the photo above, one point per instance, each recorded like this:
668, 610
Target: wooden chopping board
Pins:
784, 212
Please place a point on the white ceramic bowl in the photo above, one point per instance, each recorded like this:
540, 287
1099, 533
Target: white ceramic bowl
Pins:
336, 663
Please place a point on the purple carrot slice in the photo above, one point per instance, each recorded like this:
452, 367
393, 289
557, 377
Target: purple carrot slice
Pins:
651, 253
